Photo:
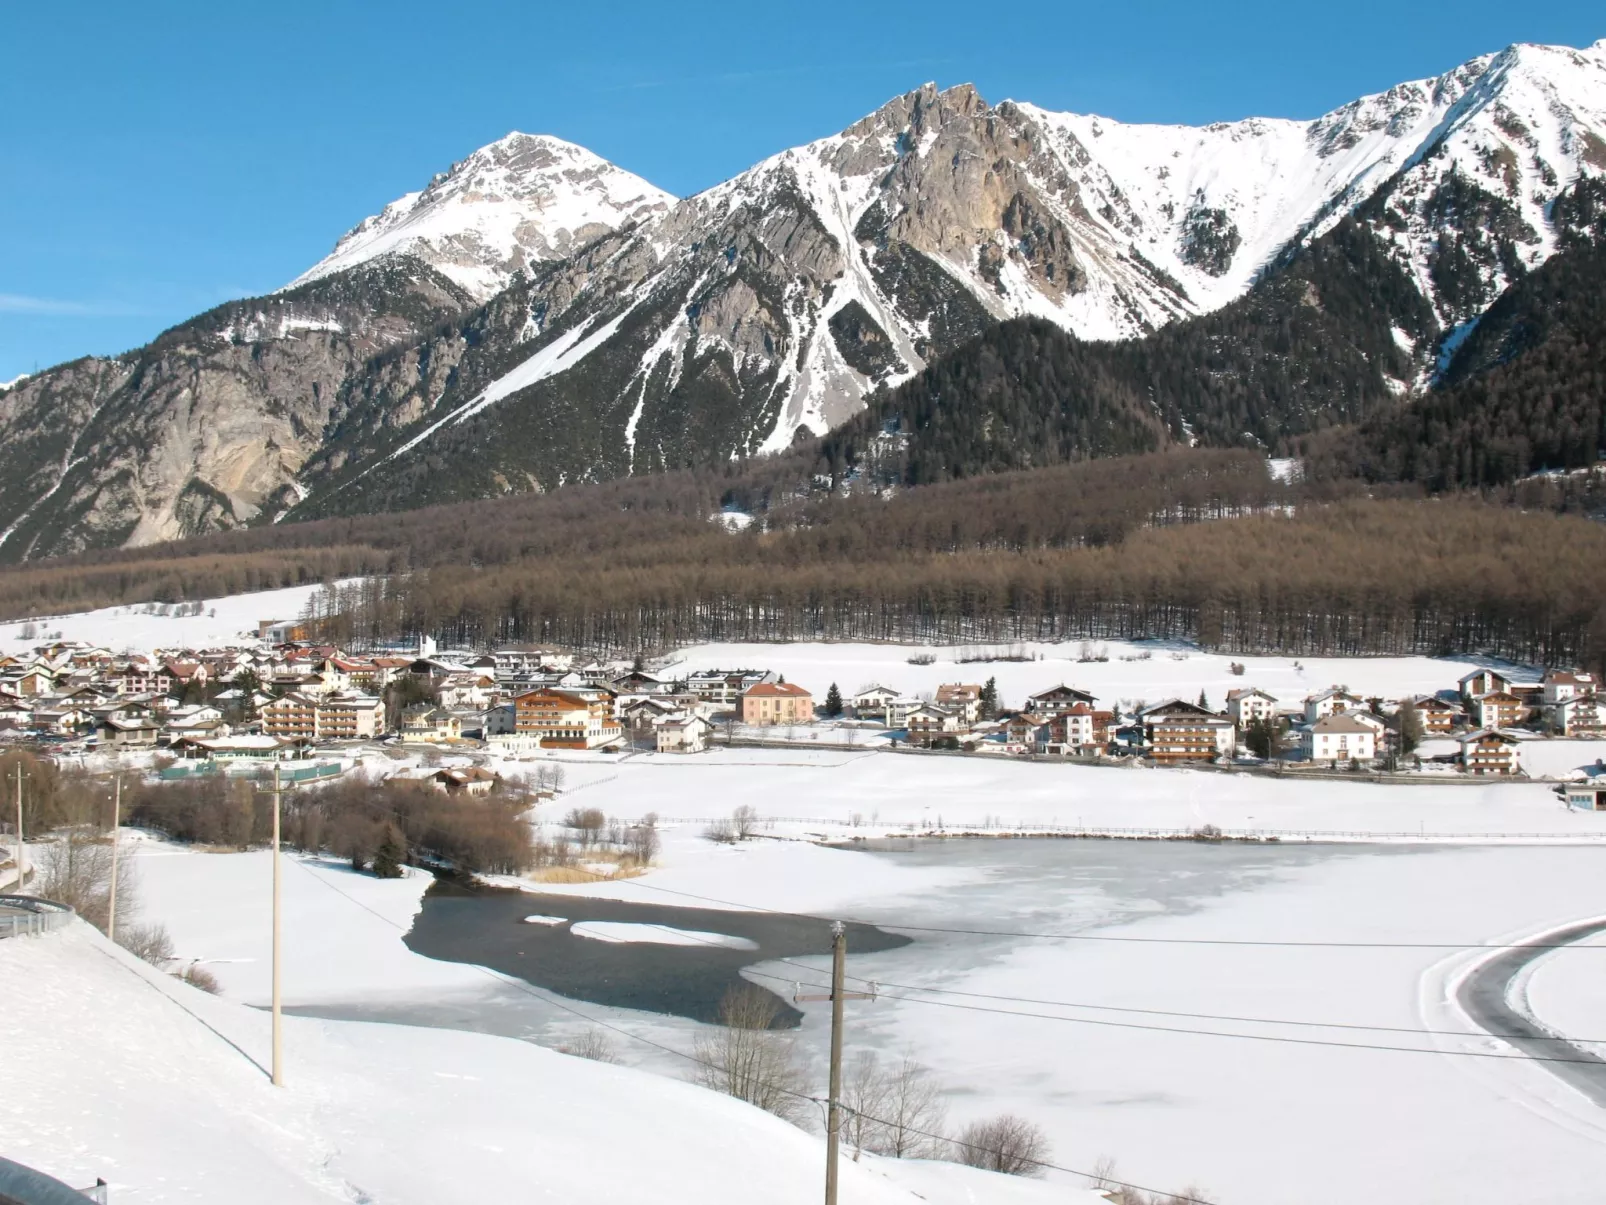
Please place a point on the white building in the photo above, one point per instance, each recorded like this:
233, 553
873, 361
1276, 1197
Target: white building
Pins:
1340, 737
1246, 706
686, 734
1331, 702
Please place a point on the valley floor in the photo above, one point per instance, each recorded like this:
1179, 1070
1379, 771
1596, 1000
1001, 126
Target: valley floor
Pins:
1253, 1070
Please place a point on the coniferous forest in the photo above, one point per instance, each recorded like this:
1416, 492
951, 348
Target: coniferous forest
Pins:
1033, 486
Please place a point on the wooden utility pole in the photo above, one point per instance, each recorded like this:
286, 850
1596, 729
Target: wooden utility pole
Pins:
278, 1042
833, 1123
117, 820
22, 870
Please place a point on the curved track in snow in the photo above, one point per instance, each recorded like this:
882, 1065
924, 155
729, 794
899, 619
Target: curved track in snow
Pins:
1485, 997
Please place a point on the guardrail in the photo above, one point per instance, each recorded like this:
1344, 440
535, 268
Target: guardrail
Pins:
28, 916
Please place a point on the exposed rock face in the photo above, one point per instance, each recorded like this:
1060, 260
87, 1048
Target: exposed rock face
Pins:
208, 426
736, 320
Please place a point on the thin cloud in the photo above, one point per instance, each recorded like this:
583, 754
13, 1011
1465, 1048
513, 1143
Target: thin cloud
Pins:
18, 303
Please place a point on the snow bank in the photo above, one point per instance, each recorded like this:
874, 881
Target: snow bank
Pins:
124, 1073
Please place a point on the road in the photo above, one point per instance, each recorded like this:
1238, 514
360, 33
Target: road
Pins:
1485, 997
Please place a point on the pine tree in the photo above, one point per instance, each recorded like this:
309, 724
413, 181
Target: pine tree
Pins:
989, 699
1204, 702
833, 701
388, 857
1410, 728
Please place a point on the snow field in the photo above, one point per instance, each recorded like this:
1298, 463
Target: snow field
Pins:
115, 1070
137, 629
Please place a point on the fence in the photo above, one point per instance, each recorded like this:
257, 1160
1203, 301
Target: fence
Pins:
997, 827
26, 916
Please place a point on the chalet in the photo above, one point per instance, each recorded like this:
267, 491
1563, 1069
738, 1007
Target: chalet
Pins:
292, 716
36, 680
725, 687
962, 699
1340, 737
62, 720
1056, 699
561, 719
119, 732
471, 780
1490, 752
683, 734
1482, 682
1582, 715
187, 673
1498, 709
1437, 716
871, 702
897, 710
1560, 685
639, 682
427, 722
929, 722
1330, 702
500, 720
770, 703
1176, 731
644, 714
1250, 704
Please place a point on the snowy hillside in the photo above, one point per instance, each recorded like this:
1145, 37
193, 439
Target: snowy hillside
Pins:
523, 199
126, 1074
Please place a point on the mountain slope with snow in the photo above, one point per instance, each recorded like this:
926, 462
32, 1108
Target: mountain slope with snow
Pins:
583, 325
765, 309
522, 200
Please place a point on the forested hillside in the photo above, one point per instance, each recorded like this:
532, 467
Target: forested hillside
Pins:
1524, 393
1325, 339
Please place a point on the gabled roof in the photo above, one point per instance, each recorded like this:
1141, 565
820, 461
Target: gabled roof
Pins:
764, 690
1488, 734
1062, 691
1342, 722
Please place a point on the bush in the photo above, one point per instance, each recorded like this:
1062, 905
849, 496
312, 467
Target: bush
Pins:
1005, 1143
592, 1043
588, 822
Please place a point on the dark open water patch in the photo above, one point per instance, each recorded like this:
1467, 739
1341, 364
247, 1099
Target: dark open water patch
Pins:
485, 927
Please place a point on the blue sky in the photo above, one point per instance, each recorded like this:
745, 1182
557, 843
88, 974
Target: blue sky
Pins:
163, 157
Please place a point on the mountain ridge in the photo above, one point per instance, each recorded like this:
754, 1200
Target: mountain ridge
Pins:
768, 308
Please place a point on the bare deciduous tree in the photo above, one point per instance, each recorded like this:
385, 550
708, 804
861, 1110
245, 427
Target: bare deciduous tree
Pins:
588, 822
1005, 1143
592, 1043
894, 1110
76, 869
748, 1060
744, 821
642, 839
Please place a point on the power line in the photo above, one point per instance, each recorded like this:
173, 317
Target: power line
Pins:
530, 990
1099, 937
1250, 1037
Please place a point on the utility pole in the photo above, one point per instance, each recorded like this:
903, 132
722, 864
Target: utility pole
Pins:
833, 1124
117, 820
278, 1036
22, 870
278, 1029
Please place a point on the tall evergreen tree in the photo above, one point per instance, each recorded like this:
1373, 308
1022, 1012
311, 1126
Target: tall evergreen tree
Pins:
833, 701
390, 854
989, 699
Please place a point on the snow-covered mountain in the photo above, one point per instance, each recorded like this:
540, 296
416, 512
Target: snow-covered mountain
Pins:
545, 317
522, 200
767, 307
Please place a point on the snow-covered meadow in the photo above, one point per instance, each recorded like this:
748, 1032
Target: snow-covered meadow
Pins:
141, 627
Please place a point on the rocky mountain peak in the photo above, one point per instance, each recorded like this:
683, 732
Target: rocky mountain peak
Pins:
521, 200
